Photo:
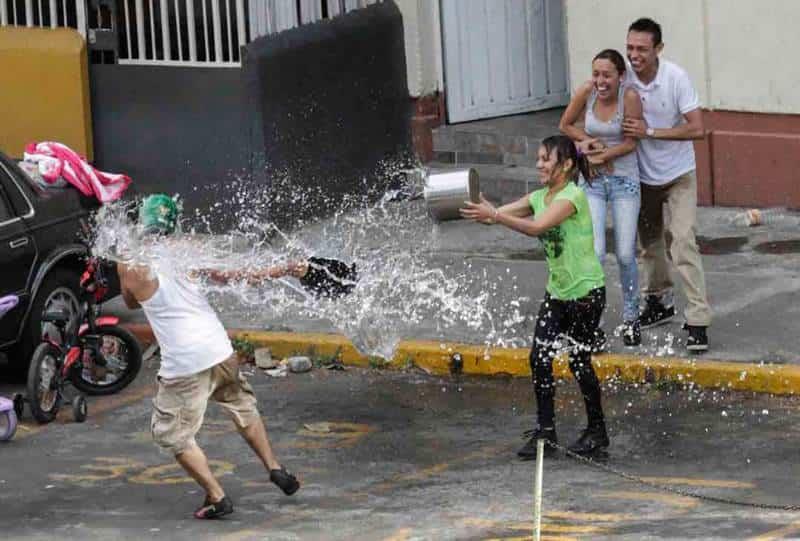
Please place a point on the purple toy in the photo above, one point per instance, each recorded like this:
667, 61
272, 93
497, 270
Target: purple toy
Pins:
8, 415
8, 419
7, 303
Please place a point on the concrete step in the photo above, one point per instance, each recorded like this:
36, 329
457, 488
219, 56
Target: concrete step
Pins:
503, 141
484, 148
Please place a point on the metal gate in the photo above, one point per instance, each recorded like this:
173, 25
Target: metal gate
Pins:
503, 57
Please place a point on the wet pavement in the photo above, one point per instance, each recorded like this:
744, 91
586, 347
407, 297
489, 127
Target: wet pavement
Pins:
387, 455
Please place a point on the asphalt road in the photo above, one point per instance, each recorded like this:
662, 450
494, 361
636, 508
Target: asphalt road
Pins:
405, 456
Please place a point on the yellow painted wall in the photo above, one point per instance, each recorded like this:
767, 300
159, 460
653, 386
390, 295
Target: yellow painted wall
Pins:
44, 89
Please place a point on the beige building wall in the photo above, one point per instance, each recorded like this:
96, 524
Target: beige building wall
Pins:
739, 54
752, 51
594, 25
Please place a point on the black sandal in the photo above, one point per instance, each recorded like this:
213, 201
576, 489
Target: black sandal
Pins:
211, 509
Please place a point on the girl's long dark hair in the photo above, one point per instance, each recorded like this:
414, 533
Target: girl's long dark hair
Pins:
566, 150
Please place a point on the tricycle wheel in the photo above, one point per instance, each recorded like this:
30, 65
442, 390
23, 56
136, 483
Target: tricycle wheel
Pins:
8, 425
44, 389
19, 404
79, 408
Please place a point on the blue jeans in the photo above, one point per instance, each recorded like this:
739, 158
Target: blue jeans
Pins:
623, 195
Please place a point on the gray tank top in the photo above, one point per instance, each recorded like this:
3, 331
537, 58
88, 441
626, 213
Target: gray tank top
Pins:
611, 134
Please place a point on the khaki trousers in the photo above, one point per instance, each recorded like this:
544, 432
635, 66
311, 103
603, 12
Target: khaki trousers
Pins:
680, 198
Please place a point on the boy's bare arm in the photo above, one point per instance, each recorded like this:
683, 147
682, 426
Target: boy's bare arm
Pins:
296, 269
136, 284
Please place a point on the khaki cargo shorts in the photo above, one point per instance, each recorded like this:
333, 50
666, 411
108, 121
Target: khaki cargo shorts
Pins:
180, 403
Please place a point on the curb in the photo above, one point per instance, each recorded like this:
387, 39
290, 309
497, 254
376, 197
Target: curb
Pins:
436, 358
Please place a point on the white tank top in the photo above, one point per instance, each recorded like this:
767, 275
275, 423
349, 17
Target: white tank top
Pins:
188, 330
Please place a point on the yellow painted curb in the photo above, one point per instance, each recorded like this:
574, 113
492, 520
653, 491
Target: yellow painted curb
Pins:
435, 358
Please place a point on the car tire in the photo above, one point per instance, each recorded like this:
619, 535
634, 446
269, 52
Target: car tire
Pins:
62, 282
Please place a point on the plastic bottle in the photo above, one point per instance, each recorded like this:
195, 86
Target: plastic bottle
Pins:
772, 216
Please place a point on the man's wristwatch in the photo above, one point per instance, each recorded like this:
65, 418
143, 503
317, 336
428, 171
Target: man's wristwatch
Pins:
650, 132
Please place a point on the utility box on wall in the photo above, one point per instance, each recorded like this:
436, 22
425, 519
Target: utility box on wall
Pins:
44, 89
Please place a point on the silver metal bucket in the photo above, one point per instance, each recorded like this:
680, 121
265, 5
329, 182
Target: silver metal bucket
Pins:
446, 190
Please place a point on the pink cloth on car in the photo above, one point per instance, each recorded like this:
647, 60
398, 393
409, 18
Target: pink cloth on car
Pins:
59, 161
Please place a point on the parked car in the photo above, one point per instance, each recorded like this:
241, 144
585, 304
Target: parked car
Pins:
41, 256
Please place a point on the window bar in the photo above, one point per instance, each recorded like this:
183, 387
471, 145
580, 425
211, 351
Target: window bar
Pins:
152, 32
217, 31
53, 13
29, 13
165, 45
126, 11
80, 12
64, 12
3, 13
230, 30
334, 8
241, 30
179, 43
191, 30
205, 31
270, 27
140, 48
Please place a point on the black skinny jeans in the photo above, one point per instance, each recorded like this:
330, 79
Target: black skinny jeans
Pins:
572, 325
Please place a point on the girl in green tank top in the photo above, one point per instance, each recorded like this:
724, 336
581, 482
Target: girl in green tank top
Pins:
569, 315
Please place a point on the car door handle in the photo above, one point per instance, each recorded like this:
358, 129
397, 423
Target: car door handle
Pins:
19, 243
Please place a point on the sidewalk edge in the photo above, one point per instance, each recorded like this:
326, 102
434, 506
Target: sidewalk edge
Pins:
436, 358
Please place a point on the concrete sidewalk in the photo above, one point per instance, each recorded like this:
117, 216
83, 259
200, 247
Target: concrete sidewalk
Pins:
753, 276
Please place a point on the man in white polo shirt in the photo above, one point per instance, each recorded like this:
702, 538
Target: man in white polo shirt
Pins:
672, 119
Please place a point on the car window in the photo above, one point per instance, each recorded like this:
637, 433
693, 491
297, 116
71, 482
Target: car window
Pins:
14, 193
5, 212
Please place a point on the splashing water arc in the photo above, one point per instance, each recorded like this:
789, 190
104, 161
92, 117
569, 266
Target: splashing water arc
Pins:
399, 289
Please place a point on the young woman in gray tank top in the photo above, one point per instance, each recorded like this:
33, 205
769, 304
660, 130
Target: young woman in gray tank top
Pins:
603, 102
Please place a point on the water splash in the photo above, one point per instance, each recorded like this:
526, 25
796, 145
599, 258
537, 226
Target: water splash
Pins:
399, 288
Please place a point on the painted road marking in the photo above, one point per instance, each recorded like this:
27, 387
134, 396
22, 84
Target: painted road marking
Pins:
107, 468
96, 407
435, 469
104, 469
589, 517
780, 533
530, 538
692, 482
547, 527
681, 502
289, 515
172, 473
400, 535
335, 435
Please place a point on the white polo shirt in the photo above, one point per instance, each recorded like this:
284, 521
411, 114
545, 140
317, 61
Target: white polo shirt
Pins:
665, 100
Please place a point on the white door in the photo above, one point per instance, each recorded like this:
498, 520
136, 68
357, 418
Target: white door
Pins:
503, 57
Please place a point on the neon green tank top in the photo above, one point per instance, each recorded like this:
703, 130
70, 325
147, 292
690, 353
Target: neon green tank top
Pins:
569, 247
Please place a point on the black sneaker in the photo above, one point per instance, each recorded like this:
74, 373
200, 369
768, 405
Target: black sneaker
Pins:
592, 439
655, 313
287, 482
697, 340
528, 451
631, 333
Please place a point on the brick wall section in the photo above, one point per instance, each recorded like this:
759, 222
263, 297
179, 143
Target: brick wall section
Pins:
748, 160
428, 113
